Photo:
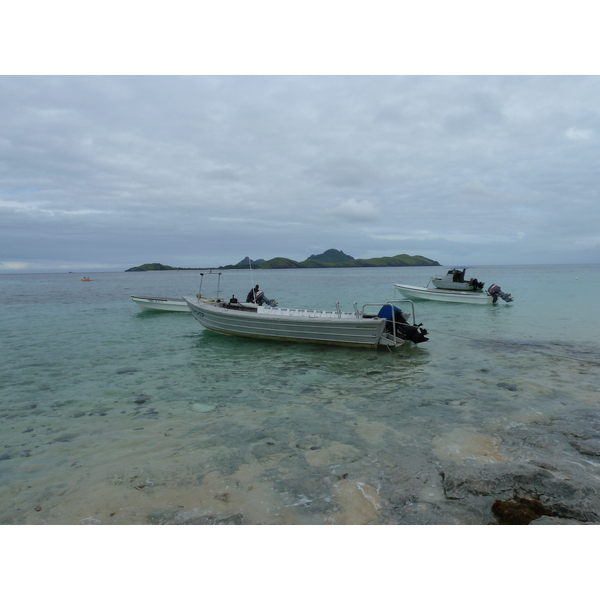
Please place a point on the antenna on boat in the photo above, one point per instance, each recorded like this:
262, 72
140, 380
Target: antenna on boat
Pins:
251, 278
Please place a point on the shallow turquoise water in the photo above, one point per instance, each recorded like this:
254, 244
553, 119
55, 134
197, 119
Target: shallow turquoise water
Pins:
112, 415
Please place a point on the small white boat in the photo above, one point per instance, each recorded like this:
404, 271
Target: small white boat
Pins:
165, 303
161, 303
455, 279
422, 293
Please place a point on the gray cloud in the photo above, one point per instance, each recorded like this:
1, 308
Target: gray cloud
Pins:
109, 172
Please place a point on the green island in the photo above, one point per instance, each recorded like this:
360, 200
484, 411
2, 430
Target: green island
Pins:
330, 259
158, 267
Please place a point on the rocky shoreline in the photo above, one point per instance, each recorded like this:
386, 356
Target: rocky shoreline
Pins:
523, 489
563, 487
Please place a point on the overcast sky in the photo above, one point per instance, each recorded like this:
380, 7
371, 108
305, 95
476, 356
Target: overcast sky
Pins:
109, 172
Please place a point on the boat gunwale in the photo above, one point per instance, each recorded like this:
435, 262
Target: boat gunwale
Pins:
265, 313
440, 295
139, 298
442, 291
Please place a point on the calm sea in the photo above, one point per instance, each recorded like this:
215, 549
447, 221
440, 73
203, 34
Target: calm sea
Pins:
110, 415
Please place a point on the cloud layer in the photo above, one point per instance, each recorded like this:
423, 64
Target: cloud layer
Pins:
109, 172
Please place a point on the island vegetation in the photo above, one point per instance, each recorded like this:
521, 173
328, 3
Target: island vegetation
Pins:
329, 259
159, 267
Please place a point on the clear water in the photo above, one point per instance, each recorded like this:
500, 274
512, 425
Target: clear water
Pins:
113, 415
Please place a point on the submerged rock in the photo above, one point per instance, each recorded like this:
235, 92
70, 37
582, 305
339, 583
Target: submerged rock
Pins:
175, 516
572, 498
589, 447
235, 519
520, 511
203, 408
66, 437
544, 520
162, 517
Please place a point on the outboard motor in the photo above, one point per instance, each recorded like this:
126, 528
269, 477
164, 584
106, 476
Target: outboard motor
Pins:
414, 333
262, 299
495, 291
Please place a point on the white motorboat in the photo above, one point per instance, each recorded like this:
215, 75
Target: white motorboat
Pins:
490, 296
161, 303
165, 303
455, 279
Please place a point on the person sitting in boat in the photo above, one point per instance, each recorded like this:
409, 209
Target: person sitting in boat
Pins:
459, 276
251, 297
257, 296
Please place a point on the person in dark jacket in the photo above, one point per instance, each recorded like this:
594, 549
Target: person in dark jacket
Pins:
252, 294
255, 295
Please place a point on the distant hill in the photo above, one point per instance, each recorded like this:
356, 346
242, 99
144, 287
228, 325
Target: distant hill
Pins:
159, 267
331, 258
152, 267
400, 260
274, 263
246, 261
279, 263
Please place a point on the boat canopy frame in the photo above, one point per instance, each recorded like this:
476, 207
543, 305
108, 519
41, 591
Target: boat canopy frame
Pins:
210, 272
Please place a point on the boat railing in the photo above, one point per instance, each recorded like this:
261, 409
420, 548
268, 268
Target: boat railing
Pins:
392, 303
397, 341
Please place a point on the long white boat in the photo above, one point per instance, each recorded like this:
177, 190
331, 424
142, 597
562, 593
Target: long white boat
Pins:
382, 324
161, 303
168, 304
490, 296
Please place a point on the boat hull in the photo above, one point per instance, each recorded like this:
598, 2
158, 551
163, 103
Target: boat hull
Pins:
420, 293
292, 325
154, 303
